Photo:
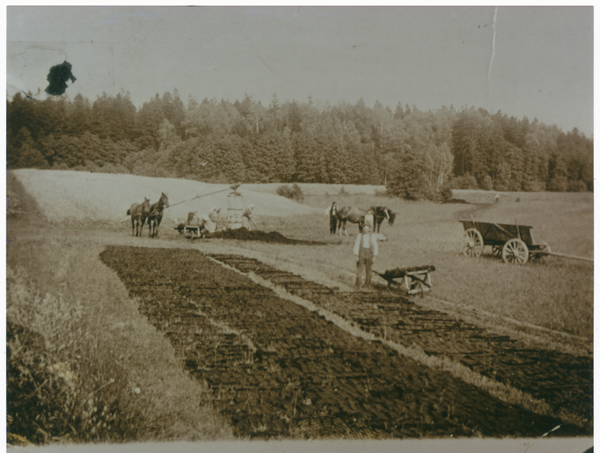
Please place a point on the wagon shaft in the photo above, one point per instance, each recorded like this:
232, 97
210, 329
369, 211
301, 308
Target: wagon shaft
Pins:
567, 256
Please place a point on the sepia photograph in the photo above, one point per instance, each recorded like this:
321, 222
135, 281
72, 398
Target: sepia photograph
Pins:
293, 228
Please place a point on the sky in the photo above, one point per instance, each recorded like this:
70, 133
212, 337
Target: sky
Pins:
525, 61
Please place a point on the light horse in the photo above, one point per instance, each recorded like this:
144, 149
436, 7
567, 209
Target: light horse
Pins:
139, 213
379, 214
350, 214
156, 213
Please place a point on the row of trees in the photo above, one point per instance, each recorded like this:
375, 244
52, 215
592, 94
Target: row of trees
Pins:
415, 153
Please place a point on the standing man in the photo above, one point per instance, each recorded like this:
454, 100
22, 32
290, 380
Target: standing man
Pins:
332, 211
248, 215
208, 224
214, 215
365, 251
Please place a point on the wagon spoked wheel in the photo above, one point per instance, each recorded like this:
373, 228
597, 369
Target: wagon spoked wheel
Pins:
472, 243
515, 252
541, 257
497, 250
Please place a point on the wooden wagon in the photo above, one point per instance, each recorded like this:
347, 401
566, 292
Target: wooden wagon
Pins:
514, 243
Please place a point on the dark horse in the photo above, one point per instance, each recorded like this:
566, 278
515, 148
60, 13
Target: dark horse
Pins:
379, 214
357, 215
138, 213
156, 213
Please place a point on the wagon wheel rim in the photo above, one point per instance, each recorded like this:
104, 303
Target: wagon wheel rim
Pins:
515, 252
472, 243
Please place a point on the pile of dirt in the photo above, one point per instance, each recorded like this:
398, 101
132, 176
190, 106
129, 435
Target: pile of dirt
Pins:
455, 201
244, 234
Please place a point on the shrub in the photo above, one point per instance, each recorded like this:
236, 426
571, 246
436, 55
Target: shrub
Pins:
465, 182
382, 193
487, 183
60, 166
501, 185
446, 192
292, 192
577, 186
558, 185
534, 186
406, 181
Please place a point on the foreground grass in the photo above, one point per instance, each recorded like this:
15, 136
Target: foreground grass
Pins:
84, 365
556, 295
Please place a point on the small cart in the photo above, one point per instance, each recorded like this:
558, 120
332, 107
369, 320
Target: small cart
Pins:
192, 231
415, 279
514, 243
194, 226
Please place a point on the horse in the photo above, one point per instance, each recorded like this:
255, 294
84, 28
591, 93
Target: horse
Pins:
156, 213
138, 213
353, 215
380, 213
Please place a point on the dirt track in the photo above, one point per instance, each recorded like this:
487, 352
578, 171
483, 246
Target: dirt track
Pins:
278, 370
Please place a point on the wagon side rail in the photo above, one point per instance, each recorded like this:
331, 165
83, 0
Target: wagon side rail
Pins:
499, 233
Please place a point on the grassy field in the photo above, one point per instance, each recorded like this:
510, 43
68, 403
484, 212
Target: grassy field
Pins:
556, 295
99, 349
79, 197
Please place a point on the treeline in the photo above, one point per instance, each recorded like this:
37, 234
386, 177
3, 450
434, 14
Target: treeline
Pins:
414, 153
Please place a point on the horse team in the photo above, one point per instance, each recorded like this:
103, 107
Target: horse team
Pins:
153, 213
358, 216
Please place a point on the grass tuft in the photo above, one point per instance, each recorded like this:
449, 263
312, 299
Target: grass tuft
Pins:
83, 364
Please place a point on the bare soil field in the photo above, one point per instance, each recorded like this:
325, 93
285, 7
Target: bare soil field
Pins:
563, 380
277, 369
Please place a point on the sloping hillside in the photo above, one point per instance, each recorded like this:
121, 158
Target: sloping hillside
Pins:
72, 195
321, 189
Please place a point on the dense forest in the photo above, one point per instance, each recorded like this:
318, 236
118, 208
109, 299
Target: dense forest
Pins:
416, 154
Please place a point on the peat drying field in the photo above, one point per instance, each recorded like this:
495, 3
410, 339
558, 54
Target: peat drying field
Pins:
277, 369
